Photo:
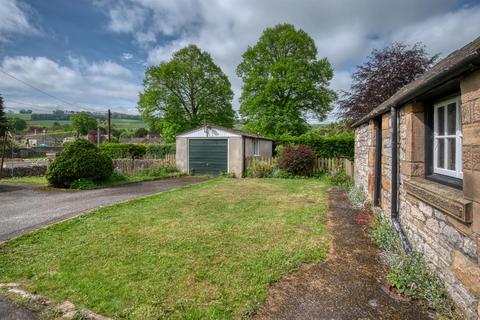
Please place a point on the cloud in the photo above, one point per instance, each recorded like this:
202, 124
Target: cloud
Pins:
126, 56
14, 19
93, 85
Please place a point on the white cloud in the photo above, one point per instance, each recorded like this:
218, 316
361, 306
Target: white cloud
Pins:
14, 19
127, 56
93, 85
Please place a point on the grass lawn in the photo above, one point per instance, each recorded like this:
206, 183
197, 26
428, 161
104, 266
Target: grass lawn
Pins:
113, 181
205, 251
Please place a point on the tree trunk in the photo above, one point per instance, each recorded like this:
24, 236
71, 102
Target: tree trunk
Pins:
3, 153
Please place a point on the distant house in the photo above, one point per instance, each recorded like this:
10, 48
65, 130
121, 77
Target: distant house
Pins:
417, 156
212, 149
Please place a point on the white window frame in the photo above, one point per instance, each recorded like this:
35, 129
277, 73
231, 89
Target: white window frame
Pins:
458, 136
256, 147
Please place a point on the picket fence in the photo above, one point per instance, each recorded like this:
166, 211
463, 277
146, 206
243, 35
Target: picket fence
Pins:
331, 165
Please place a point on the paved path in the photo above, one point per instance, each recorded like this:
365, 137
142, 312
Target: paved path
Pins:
26, 208
348, 285
12, 311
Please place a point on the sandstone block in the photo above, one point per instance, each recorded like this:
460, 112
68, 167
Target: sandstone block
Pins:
467, 272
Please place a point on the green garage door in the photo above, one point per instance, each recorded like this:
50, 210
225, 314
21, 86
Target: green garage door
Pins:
208, 156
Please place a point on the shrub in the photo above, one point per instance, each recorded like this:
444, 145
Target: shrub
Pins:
340, 179
297, 160
159, 151
79, 160
124, 150
261, 169
330, 146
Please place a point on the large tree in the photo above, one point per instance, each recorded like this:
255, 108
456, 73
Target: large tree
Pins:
383, 74
82, 122
284, 83
185, 92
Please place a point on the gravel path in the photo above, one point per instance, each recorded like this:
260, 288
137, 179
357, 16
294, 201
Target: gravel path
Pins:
24, 208
348, 285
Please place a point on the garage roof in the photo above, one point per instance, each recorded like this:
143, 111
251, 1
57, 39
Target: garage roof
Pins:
220, 131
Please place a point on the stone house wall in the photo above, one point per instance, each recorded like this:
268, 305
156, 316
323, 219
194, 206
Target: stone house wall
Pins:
441, 222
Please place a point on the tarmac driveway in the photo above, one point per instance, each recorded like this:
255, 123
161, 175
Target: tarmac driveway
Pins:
25, 208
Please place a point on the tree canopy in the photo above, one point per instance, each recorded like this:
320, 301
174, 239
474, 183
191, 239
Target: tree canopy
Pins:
284, 82
3, 118
82, 122
17, 123
381, 76
186, 92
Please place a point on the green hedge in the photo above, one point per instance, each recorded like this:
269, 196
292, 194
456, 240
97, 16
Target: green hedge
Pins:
159, 151
332, 146
124, 150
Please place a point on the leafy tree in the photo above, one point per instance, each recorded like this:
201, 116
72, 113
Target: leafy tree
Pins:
140, 133
3, 119
82, 122
284, 82
186, 92
17, 124
383, 74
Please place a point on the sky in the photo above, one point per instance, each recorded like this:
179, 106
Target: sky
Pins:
92, 54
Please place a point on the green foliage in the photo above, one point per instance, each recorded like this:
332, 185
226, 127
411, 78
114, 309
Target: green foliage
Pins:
408, 274
161, 170
186, 92
140, 133
334, 146
82, 122
340, 179
297, 160
283, 81
17, 124
3, 118
329, 129
159, 151
261, 169
123, 150
79, 160
83, 184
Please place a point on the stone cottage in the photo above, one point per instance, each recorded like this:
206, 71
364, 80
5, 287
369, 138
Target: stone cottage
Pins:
417, 156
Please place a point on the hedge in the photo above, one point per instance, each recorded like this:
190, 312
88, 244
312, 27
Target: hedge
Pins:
159, 151
123, 150
331, 146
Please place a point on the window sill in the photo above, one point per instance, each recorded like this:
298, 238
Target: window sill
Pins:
444, 198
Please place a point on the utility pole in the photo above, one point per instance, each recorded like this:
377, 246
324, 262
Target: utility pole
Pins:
98, 136
109, 127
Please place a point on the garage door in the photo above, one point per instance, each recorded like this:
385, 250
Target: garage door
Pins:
208, 156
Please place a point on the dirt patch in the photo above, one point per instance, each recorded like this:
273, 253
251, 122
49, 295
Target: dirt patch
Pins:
348, 285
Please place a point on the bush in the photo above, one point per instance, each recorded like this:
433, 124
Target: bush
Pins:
297, 160
330, 146
161, 170
79, 160
159, 151
124, 150
261, 169
408, 274
340, 179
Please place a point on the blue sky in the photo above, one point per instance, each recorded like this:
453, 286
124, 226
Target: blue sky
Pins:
92, 53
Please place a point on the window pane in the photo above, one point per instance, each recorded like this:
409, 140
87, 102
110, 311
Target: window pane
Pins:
451, 119
441, 121
441, 153
451, 154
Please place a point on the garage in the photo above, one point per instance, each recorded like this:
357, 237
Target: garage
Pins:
208, 156
213, 150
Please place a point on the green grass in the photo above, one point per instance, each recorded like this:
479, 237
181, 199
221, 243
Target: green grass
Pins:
35, 180
113, 181
208, 251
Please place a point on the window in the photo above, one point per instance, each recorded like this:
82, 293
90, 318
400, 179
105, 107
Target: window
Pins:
447, 138
256, 147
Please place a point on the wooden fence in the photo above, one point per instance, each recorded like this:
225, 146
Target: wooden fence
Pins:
134, 166
321, 164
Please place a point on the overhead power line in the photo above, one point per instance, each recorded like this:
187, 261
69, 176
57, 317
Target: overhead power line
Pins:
41, 90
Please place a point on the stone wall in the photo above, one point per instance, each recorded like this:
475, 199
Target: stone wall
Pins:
364, 171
